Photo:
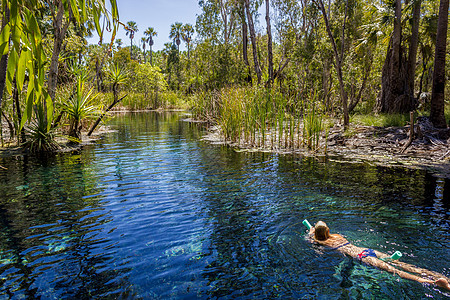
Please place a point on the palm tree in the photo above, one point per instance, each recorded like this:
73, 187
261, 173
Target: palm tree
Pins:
186, 34
144, 41
131, 29
150, 33
175, 33
119, 43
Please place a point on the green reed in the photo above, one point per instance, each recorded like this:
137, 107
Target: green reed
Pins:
232, 108
260, 117
312, 123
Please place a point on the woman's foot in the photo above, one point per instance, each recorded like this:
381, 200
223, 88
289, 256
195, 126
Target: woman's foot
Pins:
443, 283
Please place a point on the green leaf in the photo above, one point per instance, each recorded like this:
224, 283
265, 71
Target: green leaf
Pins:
30, 65
13, 12
75, 12
16, 35
21, 68
66, 4
96, 14
12, 65
29, 107
33, 26
4, 36
4, 49
48, 101
83, 9
114, 10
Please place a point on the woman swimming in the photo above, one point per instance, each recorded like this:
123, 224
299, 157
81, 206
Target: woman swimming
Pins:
321, 234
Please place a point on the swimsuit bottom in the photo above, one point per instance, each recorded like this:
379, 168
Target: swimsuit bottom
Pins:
366, 253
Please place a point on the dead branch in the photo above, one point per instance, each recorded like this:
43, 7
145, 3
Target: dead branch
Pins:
411, 132
103, 114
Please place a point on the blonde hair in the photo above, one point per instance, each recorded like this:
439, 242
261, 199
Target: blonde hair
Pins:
321, 232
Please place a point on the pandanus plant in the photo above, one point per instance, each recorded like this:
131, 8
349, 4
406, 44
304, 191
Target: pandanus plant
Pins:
79, 107
40, 136
116, 76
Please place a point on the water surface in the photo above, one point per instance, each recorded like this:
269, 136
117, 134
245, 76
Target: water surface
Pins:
153, 212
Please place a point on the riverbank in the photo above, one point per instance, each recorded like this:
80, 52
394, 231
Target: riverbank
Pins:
430, 150
362, 144
9, 146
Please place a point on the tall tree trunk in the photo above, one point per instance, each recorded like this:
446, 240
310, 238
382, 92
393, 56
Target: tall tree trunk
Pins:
59, 30
394, 96
98, 75
115, 92
438, 93
245, 42
269, 43
396, 44
253, 38
224, 15
151, 56
4, 59
145, 57
354, 102
413, 46
131, 47
338, 65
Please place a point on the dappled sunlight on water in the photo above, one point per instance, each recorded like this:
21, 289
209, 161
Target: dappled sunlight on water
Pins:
153, 212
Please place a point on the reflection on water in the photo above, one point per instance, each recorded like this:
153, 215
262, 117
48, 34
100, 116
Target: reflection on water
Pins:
153, 212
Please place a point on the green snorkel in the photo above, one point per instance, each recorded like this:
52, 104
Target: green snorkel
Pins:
395, 256
306, 223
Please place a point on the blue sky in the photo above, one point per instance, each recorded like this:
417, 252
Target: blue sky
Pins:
159, 14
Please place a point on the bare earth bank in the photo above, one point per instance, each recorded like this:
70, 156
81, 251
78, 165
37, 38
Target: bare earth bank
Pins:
430, 149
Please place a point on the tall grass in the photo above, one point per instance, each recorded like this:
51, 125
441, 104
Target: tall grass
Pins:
231, 114
261, 118
381, 120
312, 124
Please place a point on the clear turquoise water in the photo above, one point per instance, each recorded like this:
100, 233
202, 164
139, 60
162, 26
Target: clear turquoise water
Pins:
153, 212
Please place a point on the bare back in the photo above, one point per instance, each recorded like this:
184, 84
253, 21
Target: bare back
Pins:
341, 244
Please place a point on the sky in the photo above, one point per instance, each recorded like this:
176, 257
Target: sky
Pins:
159, 14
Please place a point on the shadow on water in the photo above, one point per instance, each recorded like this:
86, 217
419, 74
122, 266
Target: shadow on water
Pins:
49, 231
151, 211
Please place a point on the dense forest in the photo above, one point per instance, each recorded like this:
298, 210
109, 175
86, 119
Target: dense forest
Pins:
276, 70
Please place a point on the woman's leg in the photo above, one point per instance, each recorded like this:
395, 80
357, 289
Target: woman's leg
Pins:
441, 282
